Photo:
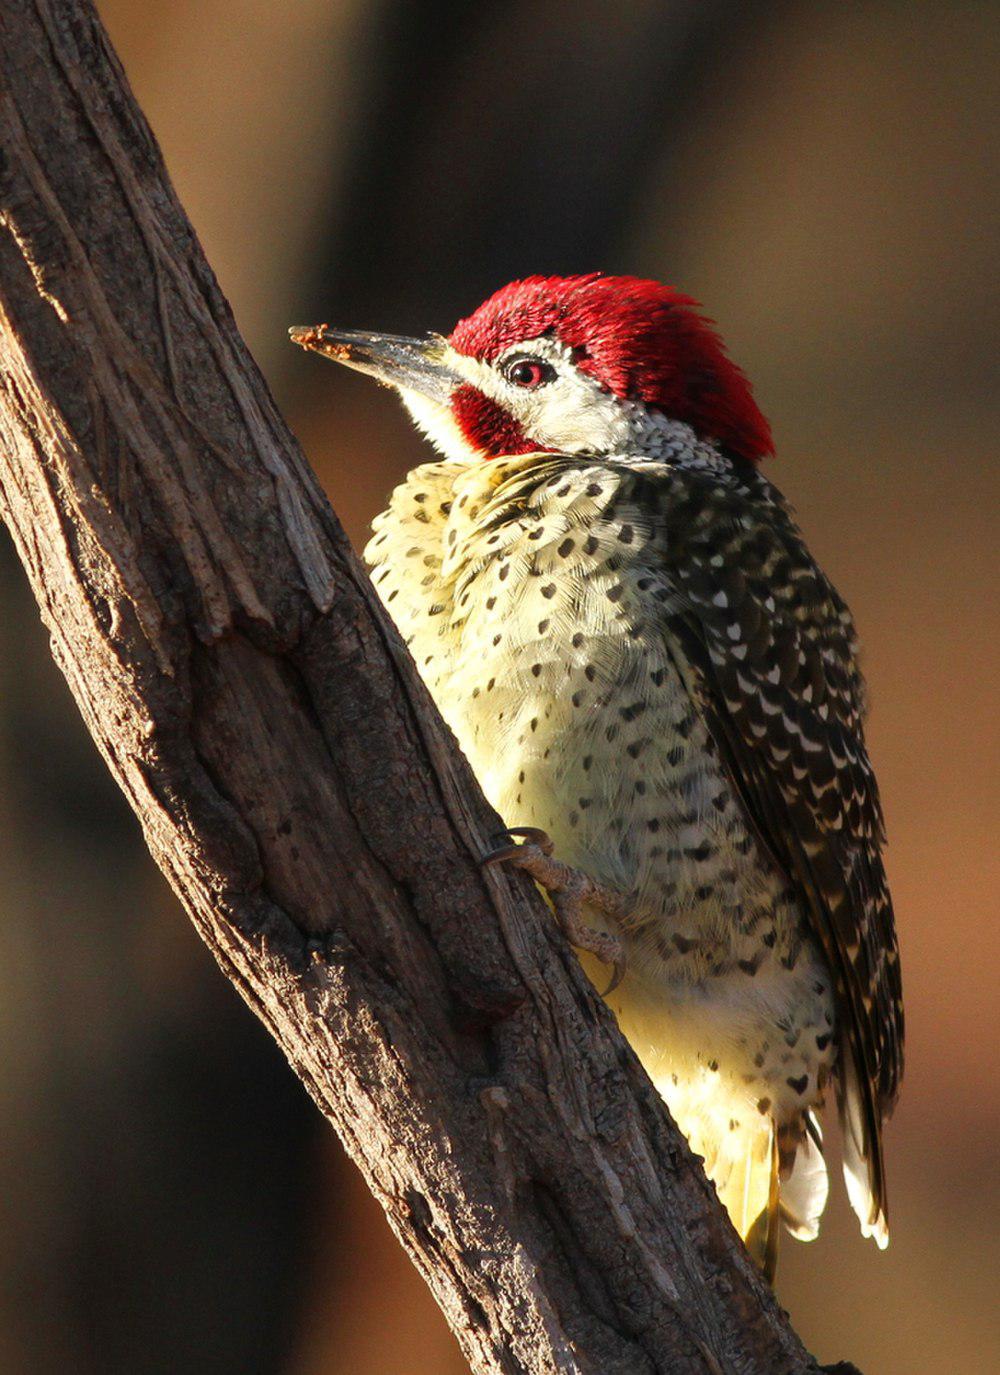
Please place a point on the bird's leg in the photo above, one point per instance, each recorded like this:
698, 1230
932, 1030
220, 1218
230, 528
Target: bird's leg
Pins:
569, 889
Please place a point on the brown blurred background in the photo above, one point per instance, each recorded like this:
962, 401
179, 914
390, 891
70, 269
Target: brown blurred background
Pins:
821, 178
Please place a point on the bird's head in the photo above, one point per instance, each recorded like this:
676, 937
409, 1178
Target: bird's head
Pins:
588, 365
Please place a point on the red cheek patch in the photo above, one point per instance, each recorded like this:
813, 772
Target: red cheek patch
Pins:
487, 426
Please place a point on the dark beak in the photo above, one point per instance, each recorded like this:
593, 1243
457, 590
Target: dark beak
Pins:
415, 365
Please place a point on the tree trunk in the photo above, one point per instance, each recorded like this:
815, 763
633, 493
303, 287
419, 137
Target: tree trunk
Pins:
297, 786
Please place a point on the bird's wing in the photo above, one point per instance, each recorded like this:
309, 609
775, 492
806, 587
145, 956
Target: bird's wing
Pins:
772, 651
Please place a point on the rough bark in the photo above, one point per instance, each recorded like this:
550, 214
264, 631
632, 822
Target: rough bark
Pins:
298, 788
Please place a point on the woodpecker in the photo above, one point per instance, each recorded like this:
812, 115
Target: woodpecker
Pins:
619, 619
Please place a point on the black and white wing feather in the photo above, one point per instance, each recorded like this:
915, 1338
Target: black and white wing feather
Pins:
773, 651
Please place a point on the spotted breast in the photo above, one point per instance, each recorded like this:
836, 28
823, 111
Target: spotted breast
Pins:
583, 623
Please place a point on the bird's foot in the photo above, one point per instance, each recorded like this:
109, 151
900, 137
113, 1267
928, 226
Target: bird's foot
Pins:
569, 890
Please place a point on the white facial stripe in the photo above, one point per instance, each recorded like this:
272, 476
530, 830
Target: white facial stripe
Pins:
571, 414
574, 413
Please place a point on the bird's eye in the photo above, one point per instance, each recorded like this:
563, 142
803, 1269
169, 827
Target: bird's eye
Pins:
529, 372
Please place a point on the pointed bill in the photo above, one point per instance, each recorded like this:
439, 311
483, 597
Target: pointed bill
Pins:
414, 365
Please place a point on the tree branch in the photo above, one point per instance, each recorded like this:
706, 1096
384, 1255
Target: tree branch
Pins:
295, 783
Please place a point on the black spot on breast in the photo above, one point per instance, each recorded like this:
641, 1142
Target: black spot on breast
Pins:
799, 1085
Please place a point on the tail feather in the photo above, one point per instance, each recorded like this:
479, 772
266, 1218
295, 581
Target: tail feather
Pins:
761, 1237
744, 1169
740, 1152
765, 1174
804, 1189
863, 1169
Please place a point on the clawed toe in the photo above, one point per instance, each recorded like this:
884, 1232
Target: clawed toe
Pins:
568, 890
618, 971
533, 835
533, 840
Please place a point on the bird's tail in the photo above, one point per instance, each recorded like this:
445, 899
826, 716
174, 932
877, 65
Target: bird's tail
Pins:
764, 1174
804, 1183
864, 1173
761, 1231
742, 1160
778, 1175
